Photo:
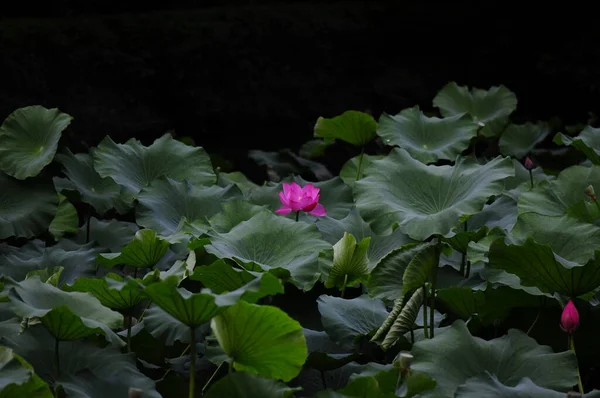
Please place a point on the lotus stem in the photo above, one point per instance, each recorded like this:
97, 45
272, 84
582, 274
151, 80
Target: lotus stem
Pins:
464, 255
344, 285
130, 321
412, 336
531, 178
192, 362
425, 329
534, 322
360, 161
57, 357
297, 215
212, 377
572, 347
433, 282
182, 354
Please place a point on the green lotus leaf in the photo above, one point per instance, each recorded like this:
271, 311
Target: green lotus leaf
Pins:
489, 386
237, 178
427, 139
101, 193
28, 140
66, 315
18, 378
66, 219
47, 275
234, 212
85, 369
112, 291
163, 205
273, 242
537, 265
111, 235
333, 230
489, 305
221, 277
28, 207
276, 347
165, 327
323, 353
246, 385
191, 309
519, 139
354, 127
350, 168
588, 142
460, 241
312, 149
500, 214
335, 196
135, 166
75, 260
425, 200
490, 107
144, 251
563, 195
509, 358
350, 262
421, 267
379, 385
385, 280
568, 237
345, 320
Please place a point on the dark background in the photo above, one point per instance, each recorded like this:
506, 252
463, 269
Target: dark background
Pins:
240, 75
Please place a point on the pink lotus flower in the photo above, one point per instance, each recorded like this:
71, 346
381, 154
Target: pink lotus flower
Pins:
570, 318
296, 198
529, 164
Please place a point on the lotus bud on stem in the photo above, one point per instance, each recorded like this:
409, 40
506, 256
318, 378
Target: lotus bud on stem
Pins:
529, 166
569, 322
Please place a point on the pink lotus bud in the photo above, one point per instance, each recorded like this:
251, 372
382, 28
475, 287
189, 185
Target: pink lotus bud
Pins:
296, 198
570, 318
528, 164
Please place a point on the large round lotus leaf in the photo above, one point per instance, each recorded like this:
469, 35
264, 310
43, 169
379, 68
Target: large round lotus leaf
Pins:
519, 139
66, 315
489, 386
485, 106
455, 356
102, 193
271, 241
164, 204
335, 196
333, 230
26, 207
588, 142
28, 140
18, 378
344, 320
86, 370
234, 212
144, 251
193, 309
135, 166
349, 170
109, 234
425, 200
246, 385
536, 265
354, 127
112, 291
66, 219
262, 340
427, 139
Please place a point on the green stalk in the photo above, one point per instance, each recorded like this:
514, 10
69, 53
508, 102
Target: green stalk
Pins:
425, 329
344, 285
192, 362
360, 161
433, 282
297, 215
531, 178
464, 256
572, 346
212, 377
